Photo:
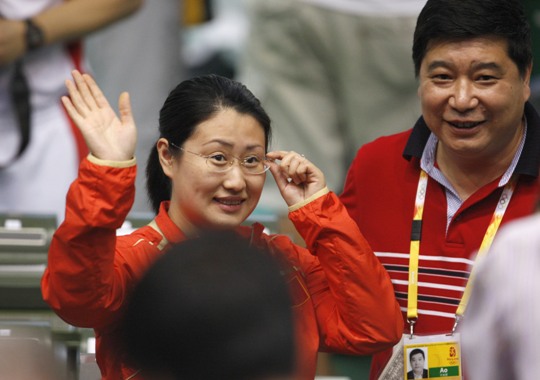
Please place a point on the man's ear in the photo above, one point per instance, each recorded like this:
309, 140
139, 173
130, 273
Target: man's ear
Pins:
527, 82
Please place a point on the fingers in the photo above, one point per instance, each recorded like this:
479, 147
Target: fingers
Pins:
80, 94
78, 106
292, 165
71, 110
124, 107
296, 177
97, 96
85, 94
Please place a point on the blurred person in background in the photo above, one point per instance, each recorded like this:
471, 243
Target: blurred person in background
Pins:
501, 333
40, 149
332, 74
214, 46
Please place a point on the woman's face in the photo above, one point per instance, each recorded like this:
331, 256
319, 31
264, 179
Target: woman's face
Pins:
203, 198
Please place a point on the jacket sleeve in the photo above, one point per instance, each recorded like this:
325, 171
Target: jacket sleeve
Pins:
354, 300
81, 282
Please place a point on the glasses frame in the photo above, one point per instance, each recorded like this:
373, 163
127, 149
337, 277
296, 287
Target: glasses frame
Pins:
230, 163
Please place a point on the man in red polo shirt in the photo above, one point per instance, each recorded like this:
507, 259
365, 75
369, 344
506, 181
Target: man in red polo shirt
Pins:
429, 198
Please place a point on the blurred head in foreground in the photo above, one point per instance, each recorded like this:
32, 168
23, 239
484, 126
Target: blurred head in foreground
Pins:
212, 307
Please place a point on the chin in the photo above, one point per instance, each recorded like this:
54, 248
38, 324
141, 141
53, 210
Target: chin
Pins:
225, 223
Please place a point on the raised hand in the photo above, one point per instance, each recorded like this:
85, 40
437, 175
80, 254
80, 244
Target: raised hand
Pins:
296, 177
107, 136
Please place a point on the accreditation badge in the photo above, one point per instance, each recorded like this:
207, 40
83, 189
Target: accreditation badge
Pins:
432, 356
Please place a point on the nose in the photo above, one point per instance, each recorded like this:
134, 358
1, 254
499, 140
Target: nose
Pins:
235, 178
463, 97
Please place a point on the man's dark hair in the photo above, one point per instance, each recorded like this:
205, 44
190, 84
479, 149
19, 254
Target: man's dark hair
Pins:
447, 20
416, 351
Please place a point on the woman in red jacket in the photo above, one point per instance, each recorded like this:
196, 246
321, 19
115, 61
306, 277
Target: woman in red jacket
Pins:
208, 171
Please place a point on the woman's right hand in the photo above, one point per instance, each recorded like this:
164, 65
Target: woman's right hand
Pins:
107, 136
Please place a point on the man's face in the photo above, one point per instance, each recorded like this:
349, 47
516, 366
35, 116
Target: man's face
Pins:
472, 96
417, 363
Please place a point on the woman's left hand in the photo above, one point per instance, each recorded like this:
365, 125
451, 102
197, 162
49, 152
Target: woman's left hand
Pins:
296, 177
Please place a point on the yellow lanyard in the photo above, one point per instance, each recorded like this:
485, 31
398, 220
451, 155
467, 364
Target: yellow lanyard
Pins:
416, 235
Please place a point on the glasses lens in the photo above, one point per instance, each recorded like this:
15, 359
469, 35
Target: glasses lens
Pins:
250, 165
218, 162
254, 165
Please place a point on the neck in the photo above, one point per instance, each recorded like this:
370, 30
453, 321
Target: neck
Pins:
184, 224
469, 174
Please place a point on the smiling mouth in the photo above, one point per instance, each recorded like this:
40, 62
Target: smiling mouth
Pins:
465, 125
228, 202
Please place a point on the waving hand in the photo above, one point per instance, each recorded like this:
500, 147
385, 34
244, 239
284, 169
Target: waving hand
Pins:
107, 136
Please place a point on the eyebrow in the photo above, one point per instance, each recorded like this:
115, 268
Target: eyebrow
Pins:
230, 145
487, 66
476, 66
436, 64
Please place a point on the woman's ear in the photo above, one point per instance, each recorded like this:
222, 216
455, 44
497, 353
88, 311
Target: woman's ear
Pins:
166, 158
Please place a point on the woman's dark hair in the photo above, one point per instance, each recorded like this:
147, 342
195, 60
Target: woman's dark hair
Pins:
213, 307
447, 20
192, 102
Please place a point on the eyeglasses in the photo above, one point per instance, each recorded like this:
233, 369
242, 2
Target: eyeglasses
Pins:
221, 162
